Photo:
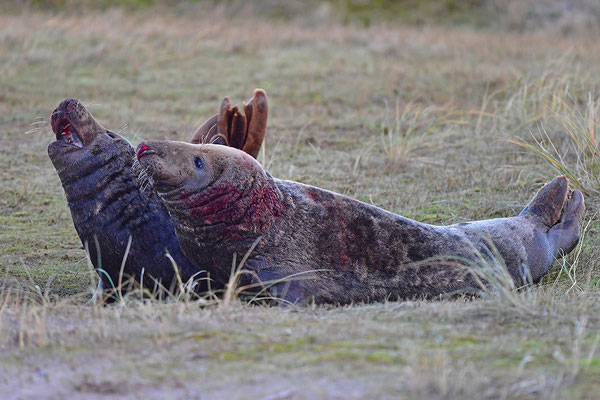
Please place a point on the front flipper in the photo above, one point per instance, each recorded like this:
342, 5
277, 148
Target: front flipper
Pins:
207, 132
232, 128
256, 111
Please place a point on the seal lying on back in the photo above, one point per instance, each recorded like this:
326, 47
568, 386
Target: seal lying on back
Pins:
109, 206
334, 249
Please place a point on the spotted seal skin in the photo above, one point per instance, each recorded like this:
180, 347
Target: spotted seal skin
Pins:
108, 204
337, 249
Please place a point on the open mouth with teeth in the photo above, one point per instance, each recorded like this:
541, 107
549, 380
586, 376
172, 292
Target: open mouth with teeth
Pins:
64, 130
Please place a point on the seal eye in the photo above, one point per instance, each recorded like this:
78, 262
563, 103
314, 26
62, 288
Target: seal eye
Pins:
199, 162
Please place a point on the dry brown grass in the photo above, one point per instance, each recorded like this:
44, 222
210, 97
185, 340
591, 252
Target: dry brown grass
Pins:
448, 99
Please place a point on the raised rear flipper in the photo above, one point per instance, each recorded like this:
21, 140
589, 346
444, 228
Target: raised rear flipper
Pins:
207, 132
548, 202
561, 210
564, 235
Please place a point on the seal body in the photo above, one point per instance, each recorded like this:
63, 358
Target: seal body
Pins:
362, 253
310, 244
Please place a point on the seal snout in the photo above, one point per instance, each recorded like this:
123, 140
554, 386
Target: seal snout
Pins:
62, 125
143, 150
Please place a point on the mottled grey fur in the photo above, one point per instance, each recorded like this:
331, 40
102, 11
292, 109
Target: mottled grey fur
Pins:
320, 246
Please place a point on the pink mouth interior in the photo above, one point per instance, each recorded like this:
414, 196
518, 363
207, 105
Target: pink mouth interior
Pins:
65, 131
144, 150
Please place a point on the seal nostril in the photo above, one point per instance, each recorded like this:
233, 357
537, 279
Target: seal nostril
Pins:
71, 104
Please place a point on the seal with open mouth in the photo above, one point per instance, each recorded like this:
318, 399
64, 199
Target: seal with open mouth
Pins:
108, 204
315, 245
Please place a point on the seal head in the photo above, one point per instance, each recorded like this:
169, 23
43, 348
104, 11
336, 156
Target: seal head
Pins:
81, 142
220, 199
73, 124
223, 189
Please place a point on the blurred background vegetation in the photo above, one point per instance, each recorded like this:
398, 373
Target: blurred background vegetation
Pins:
566, 16
443, 111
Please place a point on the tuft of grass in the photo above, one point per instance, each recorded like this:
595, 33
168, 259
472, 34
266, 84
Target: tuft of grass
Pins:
406, 127
535, 97
577, 155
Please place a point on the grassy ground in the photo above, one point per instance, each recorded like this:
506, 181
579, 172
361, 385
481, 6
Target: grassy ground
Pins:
415, 120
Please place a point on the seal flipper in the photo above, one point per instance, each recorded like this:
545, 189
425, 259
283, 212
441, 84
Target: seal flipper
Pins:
238, 132
564, 236
232, 128
257, 111
225, 116
216, 130
206, 131
548, 202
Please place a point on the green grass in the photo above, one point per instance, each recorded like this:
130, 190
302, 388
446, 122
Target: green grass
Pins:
551, 15
415, 120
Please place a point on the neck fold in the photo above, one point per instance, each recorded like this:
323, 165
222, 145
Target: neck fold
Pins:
226, 210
